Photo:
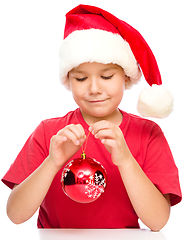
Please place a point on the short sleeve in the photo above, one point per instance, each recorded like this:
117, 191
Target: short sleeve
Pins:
160, 166
29, 159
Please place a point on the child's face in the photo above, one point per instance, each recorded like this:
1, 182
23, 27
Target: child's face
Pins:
97, 88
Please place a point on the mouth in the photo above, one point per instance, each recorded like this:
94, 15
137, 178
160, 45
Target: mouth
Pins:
97, 101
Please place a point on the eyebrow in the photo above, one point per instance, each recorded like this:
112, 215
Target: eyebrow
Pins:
109, 68
102, 70
78, 71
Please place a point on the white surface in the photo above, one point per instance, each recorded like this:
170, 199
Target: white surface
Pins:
31, 34
22, 233
84, 234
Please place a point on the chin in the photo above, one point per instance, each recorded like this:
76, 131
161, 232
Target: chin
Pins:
100, 113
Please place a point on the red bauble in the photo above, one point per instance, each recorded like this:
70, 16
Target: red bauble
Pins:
84, 179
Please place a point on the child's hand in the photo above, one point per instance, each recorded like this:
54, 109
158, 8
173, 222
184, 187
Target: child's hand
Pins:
65, 144
112, 138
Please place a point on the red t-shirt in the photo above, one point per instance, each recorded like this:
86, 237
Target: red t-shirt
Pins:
113, 209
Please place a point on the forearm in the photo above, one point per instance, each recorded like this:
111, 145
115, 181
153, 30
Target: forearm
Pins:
149, 203
26, 198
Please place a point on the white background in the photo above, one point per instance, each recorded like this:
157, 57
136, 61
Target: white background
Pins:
31, 33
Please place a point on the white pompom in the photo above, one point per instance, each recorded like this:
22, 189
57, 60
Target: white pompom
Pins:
155, 101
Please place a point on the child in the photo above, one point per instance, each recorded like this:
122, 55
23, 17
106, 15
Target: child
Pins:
100, 58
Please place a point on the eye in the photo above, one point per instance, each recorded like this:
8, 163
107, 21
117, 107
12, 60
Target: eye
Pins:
106, 78
81, 79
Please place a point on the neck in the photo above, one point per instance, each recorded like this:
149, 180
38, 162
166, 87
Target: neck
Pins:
115, 118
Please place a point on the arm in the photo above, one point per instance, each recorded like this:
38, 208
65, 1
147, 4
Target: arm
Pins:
27, 197
151, 206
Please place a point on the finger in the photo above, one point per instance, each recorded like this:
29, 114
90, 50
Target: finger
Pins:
75, 133
57, 140
72, 136
78, 130
109, 142
81, 130
96, 127
105, 134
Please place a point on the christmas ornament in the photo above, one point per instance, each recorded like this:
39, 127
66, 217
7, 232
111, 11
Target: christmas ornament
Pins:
84, 179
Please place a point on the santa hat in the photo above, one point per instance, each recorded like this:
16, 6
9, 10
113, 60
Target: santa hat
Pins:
94, 35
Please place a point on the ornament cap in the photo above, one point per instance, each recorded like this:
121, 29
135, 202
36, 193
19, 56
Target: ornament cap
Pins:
83, 155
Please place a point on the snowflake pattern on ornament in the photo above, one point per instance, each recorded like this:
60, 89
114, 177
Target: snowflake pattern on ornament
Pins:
95, 185
66, 170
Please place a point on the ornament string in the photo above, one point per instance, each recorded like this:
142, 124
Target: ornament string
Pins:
83, 155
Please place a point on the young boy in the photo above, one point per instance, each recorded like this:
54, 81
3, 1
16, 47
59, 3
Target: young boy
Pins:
100, 58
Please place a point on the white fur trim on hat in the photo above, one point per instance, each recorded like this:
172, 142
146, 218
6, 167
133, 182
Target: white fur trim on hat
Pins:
155, 101
100, 46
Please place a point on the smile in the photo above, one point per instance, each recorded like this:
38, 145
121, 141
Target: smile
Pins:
97, 101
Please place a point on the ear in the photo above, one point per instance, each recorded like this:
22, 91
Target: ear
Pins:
128, 82
127, 79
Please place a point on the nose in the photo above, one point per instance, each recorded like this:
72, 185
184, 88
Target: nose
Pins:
95, 86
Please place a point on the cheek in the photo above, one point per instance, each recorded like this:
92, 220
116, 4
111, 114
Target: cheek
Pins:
77, 93
118, 88
75, 89
117, 92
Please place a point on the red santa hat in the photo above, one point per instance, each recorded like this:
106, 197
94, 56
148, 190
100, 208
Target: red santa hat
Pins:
94, 35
